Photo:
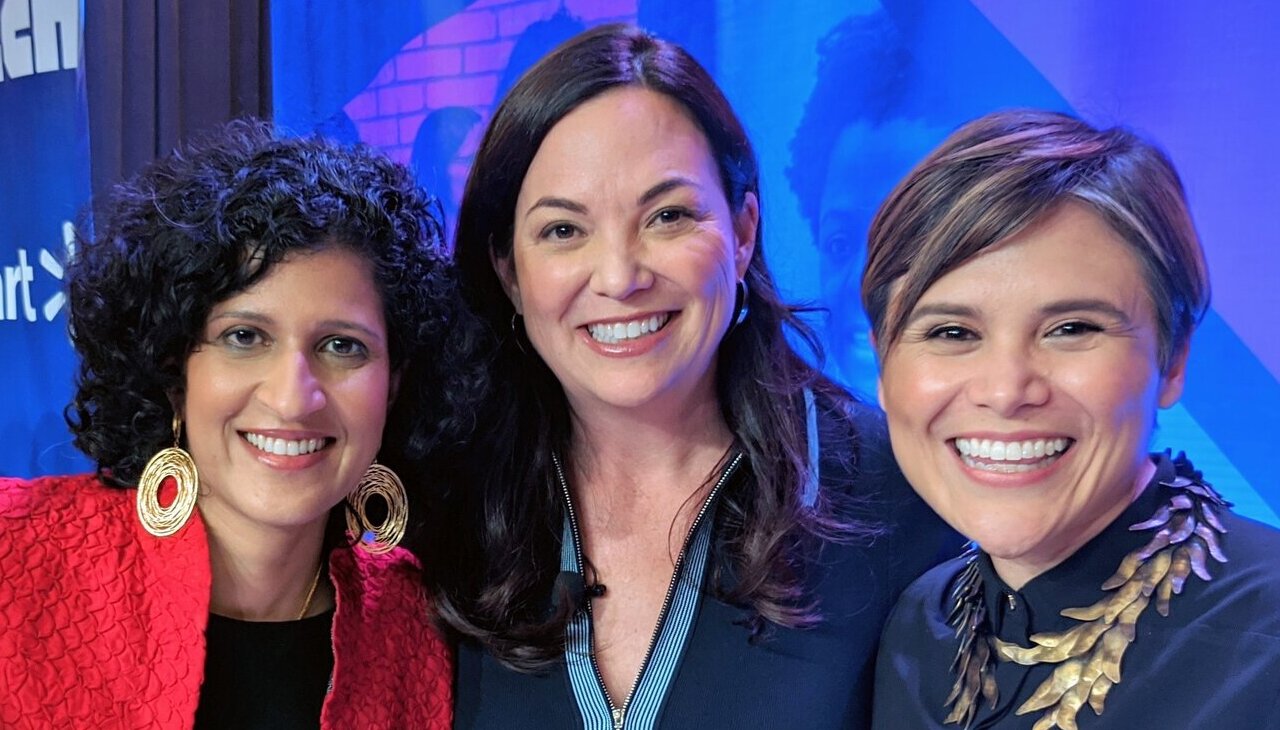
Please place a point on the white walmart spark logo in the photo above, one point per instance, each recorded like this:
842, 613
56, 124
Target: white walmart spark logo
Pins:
16, 280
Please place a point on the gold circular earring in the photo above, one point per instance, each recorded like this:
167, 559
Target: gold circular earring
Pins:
379, 481
177, 464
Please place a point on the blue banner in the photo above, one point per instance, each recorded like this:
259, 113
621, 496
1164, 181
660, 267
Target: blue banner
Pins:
44, 183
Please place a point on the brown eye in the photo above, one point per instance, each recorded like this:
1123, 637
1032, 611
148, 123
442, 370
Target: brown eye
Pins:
559, 232
952, 332
345, 347
241, 338
1074, 329
667, 216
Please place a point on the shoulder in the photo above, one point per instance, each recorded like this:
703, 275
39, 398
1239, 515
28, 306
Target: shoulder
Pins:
857, 464
1258, 543
916, 629
917, 648
28, 498
1245, 590
77, 510
384, 590
387, 581
925, 600
384, 626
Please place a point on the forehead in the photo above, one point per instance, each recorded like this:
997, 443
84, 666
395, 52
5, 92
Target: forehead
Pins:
626, 137
333, 277
1069, 253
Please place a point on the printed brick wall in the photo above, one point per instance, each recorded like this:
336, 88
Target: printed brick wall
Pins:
459, 63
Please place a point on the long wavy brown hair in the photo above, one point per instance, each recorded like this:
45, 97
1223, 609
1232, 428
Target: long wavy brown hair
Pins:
497, 555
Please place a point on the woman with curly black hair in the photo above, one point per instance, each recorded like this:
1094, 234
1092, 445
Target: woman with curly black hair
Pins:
267, 331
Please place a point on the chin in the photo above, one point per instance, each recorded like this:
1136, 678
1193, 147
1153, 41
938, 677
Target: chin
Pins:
1005, 543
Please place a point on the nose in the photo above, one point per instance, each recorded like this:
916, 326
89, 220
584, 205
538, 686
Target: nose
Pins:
291, 389
1007, 379
619, 267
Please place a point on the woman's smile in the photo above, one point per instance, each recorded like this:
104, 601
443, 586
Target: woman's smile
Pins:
626, 254
1020, 395
1011, 456
288, 451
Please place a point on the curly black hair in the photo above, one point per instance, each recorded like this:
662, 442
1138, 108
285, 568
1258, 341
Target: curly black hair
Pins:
208, 221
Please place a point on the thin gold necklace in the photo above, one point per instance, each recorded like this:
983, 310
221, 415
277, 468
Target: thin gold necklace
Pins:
311, 593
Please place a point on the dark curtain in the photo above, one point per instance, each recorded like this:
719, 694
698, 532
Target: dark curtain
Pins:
159, 70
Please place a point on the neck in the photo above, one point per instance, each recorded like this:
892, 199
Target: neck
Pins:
1017, 572
265, 573
626, 449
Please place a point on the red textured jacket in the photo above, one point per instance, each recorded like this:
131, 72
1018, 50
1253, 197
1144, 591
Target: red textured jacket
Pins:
102, 625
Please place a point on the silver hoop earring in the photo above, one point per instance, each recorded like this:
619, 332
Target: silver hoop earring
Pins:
741, 306
515, 331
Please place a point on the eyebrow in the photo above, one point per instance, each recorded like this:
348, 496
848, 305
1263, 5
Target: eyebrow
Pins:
329, 324
548, 201
666, 186
941, 310
1099, 306
645, 198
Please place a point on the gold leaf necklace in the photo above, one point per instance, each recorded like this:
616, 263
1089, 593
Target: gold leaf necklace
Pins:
1088, 654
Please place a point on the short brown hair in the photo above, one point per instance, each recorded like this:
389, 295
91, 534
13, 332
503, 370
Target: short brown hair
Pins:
997, 175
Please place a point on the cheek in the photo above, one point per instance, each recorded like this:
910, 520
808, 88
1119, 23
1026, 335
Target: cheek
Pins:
708, 270
1119, 393
546, 287
911, 392
210, 394
368, 396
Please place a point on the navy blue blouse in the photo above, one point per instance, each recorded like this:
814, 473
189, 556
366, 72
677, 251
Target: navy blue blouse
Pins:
1213, 662
711, 676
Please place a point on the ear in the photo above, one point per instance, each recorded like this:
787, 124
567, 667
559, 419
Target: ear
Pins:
1174, 377
506, 270
745, 224
880, 374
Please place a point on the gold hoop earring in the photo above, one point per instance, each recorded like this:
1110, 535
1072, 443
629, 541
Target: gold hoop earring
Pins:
174, 463
379, 481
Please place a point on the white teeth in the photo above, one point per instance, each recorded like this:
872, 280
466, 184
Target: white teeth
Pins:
1004, 467
611, 334
283, 447
1008, 451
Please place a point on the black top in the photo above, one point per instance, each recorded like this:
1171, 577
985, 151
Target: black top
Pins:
1213, 662
268, 675
814, 679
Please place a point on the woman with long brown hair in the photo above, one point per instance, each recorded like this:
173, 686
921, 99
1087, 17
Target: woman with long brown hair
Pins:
674, 519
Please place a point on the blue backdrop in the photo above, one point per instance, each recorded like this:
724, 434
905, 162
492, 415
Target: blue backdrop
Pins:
843, 97
840, 99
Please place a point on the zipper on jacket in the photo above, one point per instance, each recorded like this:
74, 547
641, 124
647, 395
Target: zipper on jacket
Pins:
619, 714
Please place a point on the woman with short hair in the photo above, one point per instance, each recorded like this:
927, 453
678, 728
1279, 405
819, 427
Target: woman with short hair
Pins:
1033, 285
